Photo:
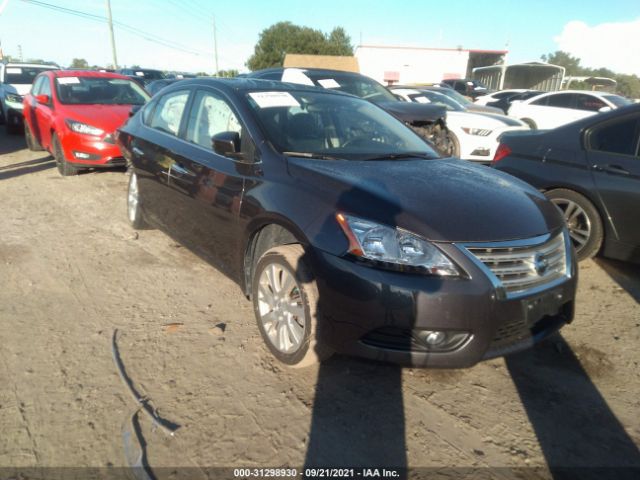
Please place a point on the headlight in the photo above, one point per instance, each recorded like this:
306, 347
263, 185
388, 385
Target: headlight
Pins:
394, 248
79, 127
13, 98
481, 132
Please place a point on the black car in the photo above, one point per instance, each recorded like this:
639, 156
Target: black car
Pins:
467, 87
591, 170
429, 121
156, 85
144, 75
344, 228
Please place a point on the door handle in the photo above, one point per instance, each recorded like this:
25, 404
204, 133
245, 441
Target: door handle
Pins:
616, 169
176, 167
137, 151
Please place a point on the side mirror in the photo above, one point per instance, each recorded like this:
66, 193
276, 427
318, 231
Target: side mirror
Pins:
604, 109
43, 99
226, 144
135, 109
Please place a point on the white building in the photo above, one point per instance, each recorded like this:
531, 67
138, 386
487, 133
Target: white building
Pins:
413, 65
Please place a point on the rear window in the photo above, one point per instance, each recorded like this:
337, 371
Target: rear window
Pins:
99, 91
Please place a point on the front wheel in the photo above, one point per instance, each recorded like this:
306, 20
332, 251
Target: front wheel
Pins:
64, 167
285, 301
582, 219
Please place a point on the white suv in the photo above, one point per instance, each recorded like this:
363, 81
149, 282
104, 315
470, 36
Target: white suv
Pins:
551, 110
15, 82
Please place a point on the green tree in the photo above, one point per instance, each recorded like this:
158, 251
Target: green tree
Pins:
570, 64
227, 73
285, 37
79, 63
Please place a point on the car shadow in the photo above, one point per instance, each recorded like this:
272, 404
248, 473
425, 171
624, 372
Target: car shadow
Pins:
577, 431
27, 167
11, 143
627, 275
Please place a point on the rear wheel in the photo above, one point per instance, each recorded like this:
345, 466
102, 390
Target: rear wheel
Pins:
32, 143
285, 301
582, 219
64, 167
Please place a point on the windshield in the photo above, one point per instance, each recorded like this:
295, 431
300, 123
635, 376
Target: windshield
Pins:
99, 91
23, 75
149, 74
436, 98
617, 100
318, 124
357, 85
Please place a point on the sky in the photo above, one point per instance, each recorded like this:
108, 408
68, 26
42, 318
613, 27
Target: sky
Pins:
601, 34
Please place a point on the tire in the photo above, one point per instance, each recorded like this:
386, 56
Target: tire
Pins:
134, 211
531, 123
32, 143
279, 332
10, 128
64, 167
583, 221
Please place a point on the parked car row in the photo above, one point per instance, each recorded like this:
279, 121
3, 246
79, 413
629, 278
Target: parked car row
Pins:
333, 213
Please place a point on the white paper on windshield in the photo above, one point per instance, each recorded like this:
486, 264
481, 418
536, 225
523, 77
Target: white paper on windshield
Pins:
68, 80
274, 99
140, 74
329, 83
422, 100
14, 70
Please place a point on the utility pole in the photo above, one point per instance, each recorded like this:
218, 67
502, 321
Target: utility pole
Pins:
215, 45
20, 53
113, 40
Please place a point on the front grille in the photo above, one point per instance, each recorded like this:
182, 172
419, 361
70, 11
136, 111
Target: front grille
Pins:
519, 269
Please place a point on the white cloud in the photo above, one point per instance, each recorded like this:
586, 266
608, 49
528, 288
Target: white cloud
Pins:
610, 45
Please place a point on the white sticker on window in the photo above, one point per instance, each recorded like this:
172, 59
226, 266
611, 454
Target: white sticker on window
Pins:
68, 80
274, 99
14, 70
329, 83
422, 100
140, 74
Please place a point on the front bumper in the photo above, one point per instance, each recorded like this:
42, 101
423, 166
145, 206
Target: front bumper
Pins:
376, 314
482, 149
91, 152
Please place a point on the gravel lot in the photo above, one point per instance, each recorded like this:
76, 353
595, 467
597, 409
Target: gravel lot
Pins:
72, 270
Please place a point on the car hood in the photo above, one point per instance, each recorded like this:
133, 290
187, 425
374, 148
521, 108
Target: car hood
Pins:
483, 108
441, 200
483, 120
20, 89
414, 112
106, 117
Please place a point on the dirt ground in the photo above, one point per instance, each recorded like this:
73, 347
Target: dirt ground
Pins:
72, 271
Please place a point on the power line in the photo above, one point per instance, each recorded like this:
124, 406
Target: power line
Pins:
133, 30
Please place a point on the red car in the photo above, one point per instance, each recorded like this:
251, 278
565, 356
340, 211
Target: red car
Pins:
74, 115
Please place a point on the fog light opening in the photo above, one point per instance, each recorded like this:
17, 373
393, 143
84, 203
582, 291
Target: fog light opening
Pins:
442, 341
85, 156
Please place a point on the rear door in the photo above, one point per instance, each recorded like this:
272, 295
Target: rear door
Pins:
554, 110
156, 149
44, 114
614, 155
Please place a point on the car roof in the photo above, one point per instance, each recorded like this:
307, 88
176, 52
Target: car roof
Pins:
587, 92
86, 73
246, 84
319, 71
31, 65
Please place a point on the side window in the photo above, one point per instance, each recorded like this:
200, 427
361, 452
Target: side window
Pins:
618, 137
589, 103
37, 86
562, 100
148, 111
541, 102
168, 113
45, 87
210, 115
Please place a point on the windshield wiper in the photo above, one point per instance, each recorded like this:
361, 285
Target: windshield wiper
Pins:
310, 155
398, 156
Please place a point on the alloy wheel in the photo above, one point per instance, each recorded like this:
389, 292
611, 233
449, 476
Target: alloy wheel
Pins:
577, 221
281, 308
